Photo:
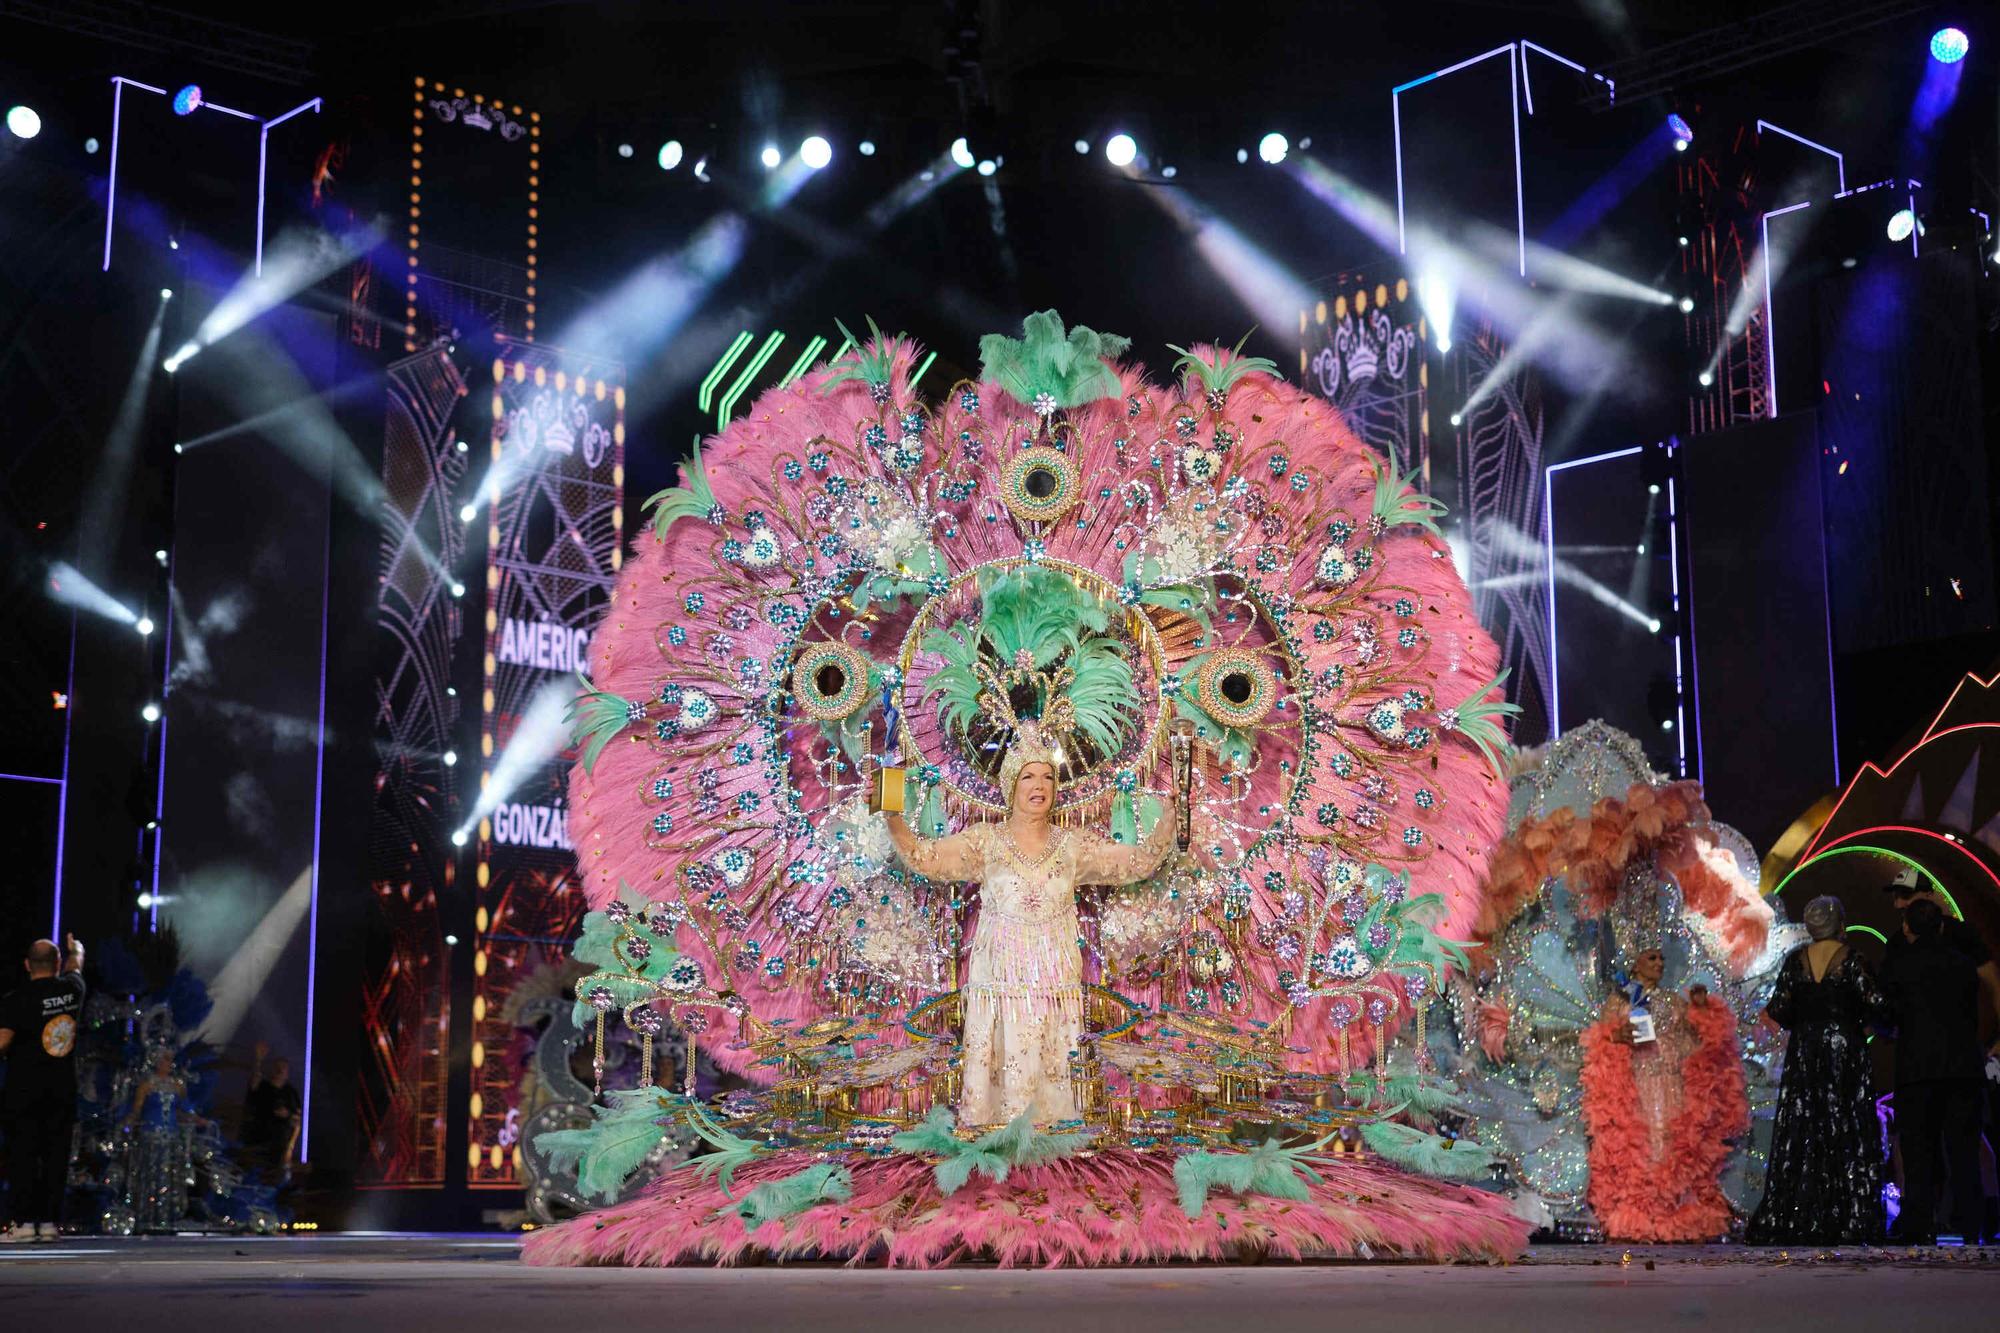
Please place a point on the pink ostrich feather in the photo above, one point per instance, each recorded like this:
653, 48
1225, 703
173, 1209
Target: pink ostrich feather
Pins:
655, 812
1114, 1207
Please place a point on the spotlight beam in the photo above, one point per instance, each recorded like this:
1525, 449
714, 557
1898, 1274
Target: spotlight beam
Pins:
538, 739
104, 503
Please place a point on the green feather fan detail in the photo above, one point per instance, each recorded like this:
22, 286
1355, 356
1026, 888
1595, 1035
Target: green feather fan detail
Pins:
616, 1144
992, 1155
1221, 374
1070, 367
775, 1200
1399, 502
872, 362
731, 1152
1428, 1154
1478, 720
595, 716
1271, 1169
691, 499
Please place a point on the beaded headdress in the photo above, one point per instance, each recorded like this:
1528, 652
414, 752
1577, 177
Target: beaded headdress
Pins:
1031, 745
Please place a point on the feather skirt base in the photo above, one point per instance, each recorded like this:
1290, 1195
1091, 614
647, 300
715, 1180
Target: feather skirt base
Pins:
1113, 1207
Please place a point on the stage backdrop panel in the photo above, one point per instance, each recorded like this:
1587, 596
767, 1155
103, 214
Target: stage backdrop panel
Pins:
1757, 619
554, 542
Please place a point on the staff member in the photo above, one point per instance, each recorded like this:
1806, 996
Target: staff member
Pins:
38, 1030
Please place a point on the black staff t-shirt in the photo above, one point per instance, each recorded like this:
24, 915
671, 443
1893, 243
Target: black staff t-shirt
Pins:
45, 1016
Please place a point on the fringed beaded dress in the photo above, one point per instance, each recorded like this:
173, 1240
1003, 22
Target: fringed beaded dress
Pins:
1024, 980
1824, 1183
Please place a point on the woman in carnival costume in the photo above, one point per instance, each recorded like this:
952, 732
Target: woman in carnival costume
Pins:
1024, 983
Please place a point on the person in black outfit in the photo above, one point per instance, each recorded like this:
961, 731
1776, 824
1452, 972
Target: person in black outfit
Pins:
1934, 992
38, 1030
271, 1113
1824, 1185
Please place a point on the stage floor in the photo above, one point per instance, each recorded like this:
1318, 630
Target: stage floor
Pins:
373, 1282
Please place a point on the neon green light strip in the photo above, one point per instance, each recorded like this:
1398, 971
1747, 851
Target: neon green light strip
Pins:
921, 369
800, 366
707, 391
1869, 930
1936, 887
742, 382
845, 343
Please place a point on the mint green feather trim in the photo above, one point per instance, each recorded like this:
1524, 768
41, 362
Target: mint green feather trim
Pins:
1427, 1154
1270, 1169
775, 1200
691, 499
732, 1152
1070, 367
593, 718
1399, 502
872, 362
1221, 374
616, 1144
992, 1155
1478, 720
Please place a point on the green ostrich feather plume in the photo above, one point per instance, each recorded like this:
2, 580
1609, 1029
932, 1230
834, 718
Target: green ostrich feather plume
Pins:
691, 499
1428, 1154
1413, 940
617, 1142
1478, 720
992, 1155
872, 362
732, 1152
594, 717
1399, 502
1068, 366
1271, 1169
1037, 615
775, 1200
1221, 374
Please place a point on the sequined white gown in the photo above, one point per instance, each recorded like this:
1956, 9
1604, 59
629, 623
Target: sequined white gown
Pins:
1023, 988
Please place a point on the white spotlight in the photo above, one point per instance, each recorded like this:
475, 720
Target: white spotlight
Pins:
1242, 156
1082, 146
166, 293
458, 838
451, 941
1684, 242
450, 758
1653, 489
1170, 172
468, 512
624, 150
815, 152
1687, 305
180, 357
1707, 377
1438, 300
1458, 418
160, 556
770, 157
866, 148
1642, 548
457, 589
1901, 224
179, 448
146, 900
462, 446
986, 167
961, 153
90, 145
173, 242
1667, 725
151, 712
145, 625
23, 122
451, 691
670, 154
1273, 147
1680, 145
1120, 150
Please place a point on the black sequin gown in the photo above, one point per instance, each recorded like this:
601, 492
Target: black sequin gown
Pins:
1824, 1183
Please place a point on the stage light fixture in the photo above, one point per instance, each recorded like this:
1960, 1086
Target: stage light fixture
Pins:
701, 168
462, 446
1667, 725
1707, 378
624, 150
188, 100
866, 148
151, 712
1901, 223
451, 941
1457, 418
451, 691
816, 152
457, 589
173, 242
770, 157
1170, 172
1242, 156
1684, 242
670, 155
179, 448
450, 758
144, 626
180, 357
986, 166
1120, 150
23, 122
1273, 147
145, 900
1687, 305
1949, 45
1653, 489
166, 293
1082, 147
1438, 301
961, 153
468, 512
160, 557
90, 145
458, 838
